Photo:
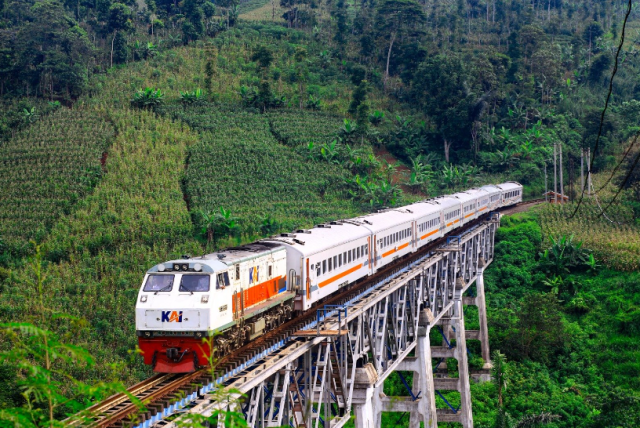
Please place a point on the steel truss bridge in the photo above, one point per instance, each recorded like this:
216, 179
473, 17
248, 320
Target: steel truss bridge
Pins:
337, 366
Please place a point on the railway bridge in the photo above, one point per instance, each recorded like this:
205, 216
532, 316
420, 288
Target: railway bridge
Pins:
336, 366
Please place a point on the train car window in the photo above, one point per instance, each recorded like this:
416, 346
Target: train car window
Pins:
198, 283
159, 283
339, 259
335, 262
324, 266
349, 254
318, 270
366, 250
270, 271
357, 253
330, 265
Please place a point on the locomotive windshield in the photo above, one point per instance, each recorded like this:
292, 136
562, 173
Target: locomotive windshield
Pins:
159, 283
194, 283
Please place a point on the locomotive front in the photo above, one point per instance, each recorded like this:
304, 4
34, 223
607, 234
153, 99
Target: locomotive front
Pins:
175, 316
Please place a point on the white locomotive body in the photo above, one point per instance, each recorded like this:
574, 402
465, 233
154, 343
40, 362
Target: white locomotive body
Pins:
238, 294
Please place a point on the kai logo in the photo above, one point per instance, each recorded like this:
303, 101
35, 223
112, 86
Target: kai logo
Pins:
171, 316
253, 275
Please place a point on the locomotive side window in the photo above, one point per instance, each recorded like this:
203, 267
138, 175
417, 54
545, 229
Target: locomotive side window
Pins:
159, 283
198, 283
238, 271
270, 271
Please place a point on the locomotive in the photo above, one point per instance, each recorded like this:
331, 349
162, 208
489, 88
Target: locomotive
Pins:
192, 308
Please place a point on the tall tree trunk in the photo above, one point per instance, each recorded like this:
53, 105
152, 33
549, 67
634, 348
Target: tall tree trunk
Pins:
112, 40
447, 146
386, 72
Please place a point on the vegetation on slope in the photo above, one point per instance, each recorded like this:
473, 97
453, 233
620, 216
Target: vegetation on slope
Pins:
46, 169
135, 217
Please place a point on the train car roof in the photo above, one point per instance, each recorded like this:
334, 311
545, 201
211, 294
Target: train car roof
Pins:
469, 195
446, 201
323, 236
491, 188
384, 219
424, 208
509, 185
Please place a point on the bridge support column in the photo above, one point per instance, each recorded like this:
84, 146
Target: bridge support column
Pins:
482, 314
464, 413
367, 405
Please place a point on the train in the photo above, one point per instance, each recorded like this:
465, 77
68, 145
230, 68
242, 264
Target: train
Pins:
193, 309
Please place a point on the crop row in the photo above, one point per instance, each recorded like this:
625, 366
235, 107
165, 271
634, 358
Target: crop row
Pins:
614, 241
296, 128
46, 167
239, 165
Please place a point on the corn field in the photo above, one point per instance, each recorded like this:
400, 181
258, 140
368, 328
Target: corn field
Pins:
298, 128
615, 243
239, 165
46, 169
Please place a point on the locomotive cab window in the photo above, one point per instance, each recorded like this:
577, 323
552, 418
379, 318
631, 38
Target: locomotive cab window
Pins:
159, 283
198, 283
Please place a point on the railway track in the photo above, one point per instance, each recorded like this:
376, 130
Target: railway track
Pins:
151, 396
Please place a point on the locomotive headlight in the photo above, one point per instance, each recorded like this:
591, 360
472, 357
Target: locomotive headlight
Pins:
205, 299
161, 268
197, 267
176, 267
185, 267
143, 298
199, 334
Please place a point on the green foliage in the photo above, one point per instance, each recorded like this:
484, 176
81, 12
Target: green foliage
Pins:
192, 97
218, 225
147, 98
46, 169
238, 164
298, 128
563, 257
45, 365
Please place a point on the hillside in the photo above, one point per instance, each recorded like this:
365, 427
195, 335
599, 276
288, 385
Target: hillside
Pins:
186, 139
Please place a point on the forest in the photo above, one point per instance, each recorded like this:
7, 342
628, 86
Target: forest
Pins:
136, 131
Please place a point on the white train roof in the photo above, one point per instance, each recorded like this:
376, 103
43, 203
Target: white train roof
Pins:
470, 194
510, 185
446, 201
424, 208
323, 236
383, 220
491, 188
